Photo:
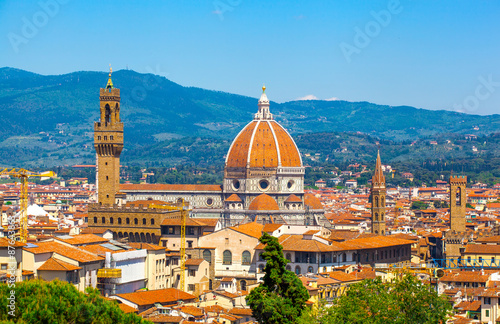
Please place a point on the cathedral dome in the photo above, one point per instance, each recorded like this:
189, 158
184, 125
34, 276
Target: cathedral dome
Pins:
263, 202
263, 143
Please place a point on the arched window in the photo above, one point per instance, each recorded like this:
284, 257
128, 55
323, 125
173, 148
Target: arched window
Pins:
246, 258
288, 268
119, 220
143, 221
261, 268
227, 257
310, 269
152, 221
458, 197
207, 256
136, 221
243, 285
260, 257
111, 220
289, 257
297, 270
382, 201
107, 113
376, 201
344, 257
104, 220
376, 217
127, 221
95, 220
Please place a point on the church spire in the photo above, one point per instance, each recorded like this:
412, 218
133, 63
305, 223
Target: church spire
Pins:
263, 113
378, 176
110, 83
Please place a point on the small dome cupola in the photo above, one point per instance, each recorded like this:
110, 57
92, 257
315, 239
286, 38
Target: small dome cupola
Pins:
263, 113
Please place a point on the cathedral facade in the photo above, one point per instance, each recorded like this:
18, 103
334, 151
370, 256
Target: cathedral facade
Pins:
263, 175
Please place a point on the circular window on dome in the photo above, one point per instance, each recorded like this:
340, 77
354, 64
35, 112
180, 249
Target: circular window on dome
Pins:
210, 201
263, 184
236, 185
290, 185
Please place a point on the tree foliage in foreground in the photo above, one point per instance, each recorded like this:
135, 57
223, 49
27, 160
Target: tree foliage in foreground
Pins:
404, 300
281, 297
56, 302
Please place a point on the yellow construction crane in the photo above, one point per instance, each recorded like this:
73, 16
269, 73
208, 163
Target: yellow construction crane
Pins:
183, 208
23, 175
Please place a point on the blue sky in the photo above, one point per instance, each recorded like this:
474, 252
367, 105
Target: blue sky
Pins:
426, 53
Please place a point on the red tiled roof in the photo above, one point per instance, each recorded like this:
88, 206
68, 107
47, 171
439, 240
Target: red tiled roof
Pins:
57, 265
162, 296
169, 187
251, 229
293, 199
263, 202
313, 202
64, 250
193, 262
83, 239
482, 249
234, 198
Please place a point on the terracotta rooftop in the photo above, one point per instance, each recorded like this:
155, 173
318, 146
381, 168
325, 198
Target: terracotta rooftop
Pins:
482, 249
125, 187
251, 229
293, 199
83, 239
234, 198
194, 262
64, 250
263, 202
162, 296
313, 202
57, 265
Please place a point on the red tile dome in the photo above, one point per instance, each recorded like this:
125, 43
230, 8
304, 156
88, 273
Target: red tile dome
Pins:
263, 202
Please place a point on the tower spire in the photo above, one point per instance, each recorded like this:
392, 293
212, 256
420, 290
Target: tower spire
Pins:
378, 176
110, 82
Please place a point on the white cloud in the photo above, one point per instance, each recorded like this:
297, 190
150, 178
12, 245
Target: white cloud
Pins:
308, 97
332, 99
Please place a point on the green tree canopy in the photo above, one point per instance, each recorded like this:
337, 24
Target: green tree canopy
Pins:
419, 205
281, 297
54, 302
403, 300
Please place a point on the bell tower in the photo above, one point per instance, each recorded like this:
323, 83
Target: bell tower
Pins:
108, 143
378, 199
458, 201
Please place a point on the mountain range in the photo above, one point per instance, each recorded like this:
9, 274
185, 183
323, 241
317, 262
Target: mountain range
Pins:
48, 120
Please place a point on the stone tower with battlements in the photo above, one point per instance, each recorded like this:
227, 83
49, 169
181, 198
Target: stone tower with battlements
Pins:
108, 143
377, 193
458, 202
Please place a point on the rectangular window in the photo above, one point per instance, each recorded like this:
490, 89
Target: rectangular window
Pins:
191, 287
487, 313
171, 230
190, 244
190, 230
487, 301
3, 266
192, 273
